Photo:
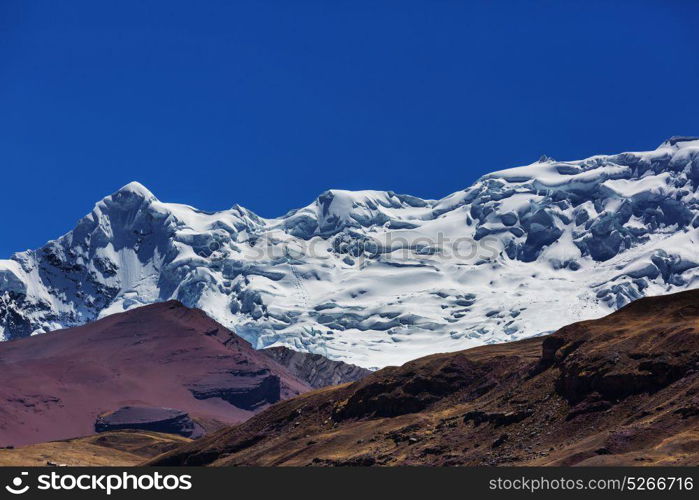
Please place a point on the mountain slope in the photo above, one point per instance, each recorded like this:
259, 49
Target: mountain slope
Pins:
623, 389
166, 355
113, 449
375, 278
315, 369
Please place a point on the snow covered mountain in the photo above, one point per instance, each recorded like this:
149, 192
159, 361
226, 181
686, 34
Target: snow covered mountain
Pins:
376, 278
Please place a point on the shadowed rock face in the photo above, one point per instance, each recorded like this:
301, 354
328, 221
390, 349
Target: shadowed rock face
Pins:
164, 420
244, 389
165, 355
621, 390
315, 369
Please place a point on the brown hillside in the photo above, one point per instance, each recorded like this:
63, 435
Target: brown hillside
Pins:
55, 385
623, 389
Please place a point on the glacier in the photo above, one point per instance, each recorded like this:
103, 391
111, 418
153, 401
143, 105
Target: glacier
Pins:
376, 278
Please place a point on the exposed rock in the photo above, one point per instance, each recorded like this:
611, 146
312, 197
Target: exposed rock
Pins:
316, 370
497, 418
245, 389
414, 387
164, 420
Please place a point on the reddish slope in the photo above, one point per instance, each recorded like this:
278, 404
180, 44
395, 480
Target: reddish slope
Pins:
55, 385
621, 390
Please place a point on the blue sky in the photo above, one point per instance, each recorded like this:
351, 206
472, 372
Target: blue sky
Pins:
269, 103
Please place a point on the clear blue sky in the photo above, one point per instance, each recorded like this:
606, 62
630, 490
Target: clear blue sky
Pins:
268, 103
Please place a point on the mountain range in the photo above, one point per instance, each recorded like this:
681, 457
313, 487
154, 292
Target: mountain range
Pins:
377, 278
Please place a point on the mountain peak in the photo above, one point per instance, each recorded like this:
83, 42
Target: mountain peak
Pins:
135, 188
676, 139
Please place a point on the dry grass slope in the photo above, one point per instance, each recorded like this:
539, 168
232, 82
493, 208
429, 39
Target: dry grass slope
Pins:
623, 389
120, 448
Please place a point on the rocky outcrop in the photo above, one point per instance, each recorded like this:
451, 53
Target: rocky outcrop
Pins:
497, 418
245, 389
165, 420
318, 371
415, 386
